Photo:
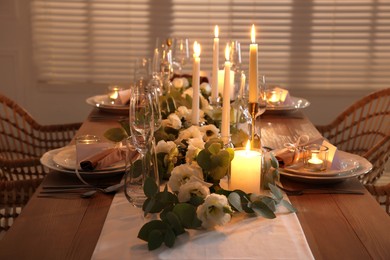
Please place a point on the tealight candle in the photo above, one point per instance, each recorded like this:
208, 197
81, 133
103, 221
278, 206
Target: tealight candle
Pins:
195, 84
315, 157
274, 97
246, 170
113, 93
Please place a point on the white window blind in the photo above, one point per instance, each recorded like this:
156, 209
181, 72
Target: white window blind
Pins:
319, 44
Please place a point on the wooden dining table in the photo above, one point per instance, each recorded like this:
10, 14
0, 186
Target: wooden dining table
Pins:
336, 226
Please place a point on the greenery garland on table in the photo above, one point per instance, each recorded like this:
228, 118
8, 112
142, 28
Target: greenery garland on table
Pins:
194, 160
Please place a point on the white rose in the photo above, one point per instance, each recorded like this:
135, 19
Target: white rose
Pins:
185, 82
206, 87
188, 91
178, 83
192, 188
174, 121
165, 147
214, 211
182, 112
194, 147
190, 132
182, 174
209, 131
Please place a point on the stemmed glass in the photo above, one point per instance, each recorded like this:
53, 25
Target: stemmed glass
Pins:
181, 54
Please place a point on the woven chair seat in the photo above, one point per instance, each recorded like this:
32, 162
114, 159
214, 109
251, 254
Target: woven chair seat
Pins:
22, 143
364, 129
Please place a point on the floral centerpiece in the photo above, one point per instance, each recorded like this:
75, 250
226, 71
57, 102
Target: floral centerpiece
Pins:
194, 160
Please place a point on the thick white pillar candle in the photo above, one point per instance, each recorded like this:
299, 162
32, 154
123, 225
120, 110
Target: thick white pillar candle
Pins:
214, 85
253, 63
195, 84
225, 127
246, 171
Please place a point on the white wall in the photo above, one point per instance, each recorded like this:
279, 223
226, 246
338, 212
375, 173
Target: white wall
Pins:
60, 105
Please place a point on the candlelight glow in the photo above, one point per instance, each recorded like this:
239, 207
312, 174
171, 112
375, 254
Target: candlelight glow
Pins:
248, 146
227, 52
253, 34
196, 49
216, 31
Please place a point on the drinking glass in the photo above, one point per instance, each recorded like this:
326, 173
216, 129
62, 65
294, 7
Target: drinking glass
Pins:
262, 95
181, 55
135, 176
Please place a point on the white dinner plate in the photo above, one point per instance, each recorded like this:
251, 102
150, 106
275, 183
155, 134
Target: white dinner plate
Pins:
66, 158
360, 166
296, 103
103, 103
346, 165
47, 160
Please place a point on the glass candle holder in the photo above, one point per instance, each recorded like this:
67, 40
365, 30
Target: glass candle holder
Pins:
274, 97
315, 157
113, 93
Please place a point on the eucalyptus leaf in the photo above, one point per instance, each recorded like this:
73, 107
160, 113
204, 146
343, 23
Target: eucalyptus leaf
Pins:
260, 208
288, 206
150, 187
214, 148
147, 228
173, 220
276, 192
271, 203
235, 200
187, 215
196, 200
169, 238
274, 161
116, 134
204, 160
155, 239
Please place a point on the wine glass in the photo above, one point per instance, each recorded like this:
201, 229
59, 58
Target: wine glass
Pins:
262, 95
181, 55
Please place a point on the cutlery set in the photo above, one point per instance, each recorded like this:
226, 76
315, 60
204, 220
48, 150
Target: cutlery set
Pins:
76, 191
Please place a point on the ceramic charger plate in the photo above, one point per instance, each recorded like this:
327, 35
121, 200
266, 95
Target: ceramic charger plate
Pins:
296, 103
64, 160
102, 102
354, 165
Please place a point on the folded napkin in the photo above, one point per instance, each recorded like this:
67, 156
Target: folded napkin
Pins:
124, 96
102, 159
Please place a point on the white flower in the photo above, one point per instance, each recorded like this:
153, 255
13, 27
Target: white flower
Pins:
206, 87
174, 121
183, 112
214, 211
205, 105
195, 145
179, 83
188, 91
209, 131
182, 174
190, 132
165, 147
192, 188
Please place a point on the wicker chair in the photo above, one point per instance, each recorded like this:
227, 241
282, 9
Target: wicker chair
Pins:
22, 143
364, 129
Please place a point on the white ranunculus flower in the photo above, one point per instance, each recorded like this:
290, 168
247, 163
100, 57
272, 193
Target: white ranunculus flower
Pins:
214, 211
206, 87
195, 145
205, 105
165, 147
180, 83
188, 91
174, 121
192, 188
190, 132
209, 131
182, 174
182, 112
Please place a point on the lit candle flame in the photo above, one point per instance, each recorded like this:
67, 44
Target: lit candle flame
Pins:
216, 31
248, 146
253, 34
227, 52
196, 49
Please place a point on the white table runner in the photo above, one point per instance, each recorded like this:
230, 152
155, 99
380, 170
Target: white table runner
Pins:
242, 238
